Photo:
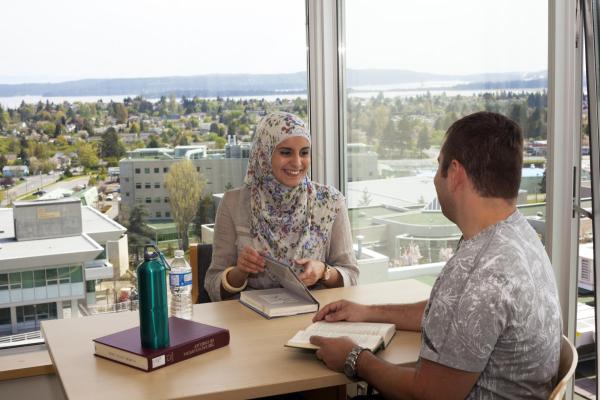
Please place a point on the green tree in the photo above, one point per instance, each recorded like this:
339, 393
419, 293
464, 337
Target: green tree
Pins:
138, 233
154, 142
204, 214
184, 186
110, 145
121, 113
424, 139
87, 156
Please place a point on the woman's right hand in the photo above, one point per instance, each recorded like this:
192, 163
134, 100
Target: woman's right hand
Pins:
250, 261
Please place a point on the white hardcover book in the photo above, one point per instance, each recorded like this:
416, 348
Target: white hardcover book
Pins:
290, 299
371, 335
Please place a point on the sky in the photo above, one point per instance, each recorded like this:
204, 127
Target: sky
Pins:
51, 41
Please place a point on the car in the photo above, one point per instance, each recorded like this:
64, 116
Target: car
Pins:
109, 197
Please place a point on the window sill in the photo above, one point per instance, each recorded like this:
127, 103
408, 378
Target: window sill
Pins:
25, 364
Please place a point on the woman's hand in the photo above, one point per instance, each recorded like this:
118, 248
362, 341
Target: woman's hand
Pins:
250, 261
313, 271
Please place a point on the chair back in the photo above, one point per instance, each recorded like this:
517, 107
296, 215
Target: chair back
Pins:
566, 368
200, 259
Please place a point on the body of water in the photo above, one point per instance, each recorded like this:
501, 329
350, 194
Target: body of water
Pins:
363, 92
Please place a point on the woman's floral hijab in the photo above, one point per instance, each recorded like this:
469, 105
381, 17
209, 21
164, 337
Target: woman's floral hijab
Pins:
287, 223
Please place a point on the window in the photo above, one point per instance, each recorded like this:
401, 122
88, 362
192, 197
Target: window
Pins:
27, 277
3, 282
51, 276
39, 277
396, 119
76, 274
15, 280
152, 120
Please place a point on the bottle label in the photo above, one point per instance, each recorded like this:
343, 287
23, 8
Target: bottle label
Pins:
184, 279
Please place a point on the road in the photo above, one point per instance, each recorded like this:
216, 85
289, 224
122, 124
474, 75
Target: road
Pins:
33, 183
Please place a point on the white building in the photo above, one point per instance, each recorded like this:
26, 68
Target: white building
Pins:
143, 173
51, 254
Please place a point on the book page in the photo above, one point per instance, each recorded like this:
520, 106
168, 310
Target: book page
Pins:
278, 298
302, 339
359, 328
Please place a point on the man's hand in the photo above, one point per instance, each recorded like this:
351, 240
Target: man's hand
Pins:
342, 310
333, 351
313, 270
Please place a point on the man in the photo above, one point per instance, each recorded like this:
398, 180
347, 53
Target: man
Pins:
492, 326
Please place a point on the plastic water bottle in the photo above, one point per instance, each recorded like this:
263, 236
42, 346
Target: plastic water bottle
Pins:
180, 279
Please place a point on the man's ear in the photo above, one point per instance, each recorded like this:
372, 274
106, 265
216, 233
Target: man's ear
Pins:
456, 175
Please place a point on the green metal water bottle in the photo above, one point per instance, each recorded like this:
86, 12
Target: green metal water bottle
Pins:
152, 295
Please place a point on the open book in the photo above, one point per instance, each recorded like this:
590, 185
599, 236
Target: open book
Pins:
371, 335
291, 299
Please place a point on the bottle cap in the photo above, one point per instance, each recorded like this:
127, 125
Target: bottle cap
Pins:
179, 253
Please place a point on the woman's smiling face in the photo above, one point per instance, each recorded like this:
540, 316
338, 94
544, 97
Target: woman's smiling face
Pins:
291, 160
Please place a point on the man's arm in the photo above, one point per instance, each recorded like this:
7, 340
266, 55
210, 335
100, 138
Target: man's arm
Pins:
404, 316
428, 380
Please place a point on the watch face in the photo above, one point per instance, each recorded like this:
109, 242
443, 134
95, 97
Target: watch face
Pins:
348, 370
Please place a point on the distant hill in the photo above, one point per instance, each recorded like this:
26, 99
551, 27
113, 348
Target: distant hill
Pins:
249, 84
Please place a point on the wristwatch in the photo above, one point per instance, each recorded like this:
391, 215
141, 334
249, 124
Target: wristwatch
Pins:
350, 366
326, 273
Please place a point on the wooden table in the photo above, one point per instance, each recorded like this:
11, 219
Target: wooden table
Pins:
255, 363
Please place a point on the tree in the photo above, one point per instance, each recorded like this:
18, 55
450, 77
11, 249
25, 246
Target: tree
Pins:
204, 214
138, 232
184, 185
153, 143
110, 145
121, 113
424, 141
87, 156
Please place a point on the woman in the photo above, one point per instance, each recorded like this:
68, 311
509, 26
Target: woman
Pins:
282, 213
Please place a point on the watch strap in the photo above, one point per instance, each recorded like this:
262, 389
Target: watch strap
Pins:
351, 364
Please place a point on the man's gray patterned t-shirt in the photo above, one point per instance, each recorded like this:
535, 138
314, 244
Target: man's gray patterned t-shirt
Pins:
494, 309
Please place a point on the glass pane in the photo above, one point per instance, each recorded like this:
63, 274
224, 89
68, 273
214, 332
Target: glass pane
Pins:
63, 272
76, 274
15, 277
4, 316
51, 273
208, 93
413, 68
585, 340
27, 277
40, 278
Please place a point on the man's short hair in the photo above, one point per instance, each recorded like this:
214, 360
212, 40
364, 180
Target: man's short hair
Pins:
490, 148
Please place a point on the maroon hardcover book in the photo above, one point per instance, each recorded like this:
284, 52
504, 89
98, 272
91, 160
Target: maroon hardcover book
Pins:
188, 339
